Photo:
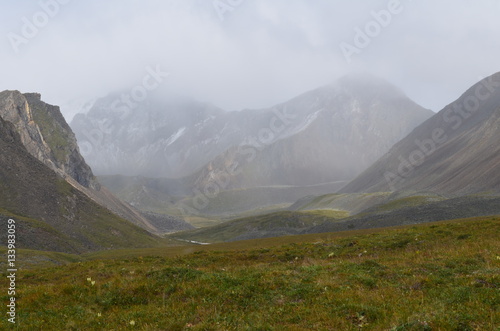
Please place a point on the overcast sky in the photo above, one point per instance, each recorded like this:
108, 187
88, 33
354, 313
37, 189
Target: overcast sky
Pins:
245, 53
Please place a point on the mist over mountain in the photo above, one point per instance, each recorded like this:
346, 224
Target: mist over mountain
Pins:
333, 133
157, 137
250, 165
454, 152
329, 134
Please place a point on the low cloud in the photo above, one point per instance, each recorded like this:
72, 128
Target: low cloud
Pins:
262, 52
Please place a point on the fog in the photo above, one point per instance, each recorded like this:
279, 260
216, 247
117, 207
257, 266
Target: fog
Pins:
241, 54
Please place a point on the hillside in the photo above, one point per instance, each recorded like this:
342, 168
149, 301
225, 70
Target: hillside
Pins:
263, 226
332, 134
47, 137
343, 212
454, 152
319, 136
232, 162
170, 196
440, 276
51, 214
414, 210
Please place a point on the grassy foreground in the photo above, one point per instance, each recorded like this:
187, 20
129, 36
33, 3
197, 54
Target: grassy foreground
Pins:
440, 276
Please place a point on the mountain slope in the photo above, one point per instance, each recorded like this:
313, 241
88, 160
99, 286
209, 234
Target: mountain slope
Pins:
397, 213
46, 136
160, 137
262, 226
454, 152
329, 134
50, 214
380, 210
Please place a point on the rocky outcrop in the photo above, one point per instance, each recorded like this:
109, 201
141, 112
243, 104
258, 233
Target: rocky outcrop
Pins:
46, 135
51, 214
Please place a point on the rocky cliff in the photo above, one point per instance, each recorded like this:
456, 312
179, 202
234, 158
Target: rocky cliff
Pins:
51, 214
46, 135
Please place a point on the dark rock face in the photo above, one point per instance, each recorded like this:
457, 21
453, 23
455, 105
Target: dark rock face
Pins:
46, 135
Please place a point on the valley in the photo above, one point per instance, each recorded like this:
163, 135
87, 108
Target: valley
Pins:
230, 165
345, 215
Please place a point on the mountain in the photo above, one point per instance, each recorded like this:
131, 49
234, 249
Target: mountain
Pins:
329, 134
454, 152
51, 214
47, 185
46, 135
164, 136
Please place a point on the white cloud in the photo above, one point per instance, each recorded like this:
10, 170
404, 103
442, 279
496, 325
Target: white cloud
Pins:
264, 52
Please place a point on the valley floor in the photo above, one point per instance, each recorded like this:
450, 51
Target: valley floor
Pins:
437, 276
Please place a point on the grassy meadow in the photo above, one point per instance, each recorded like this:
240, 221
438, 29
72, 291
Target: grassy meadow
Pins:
438, 276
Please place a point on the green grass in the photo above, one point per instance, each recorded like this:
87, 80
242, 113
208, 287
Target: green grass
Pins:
53, 135
330, 213
353, 203
273, 224
97, 227
411, 201
440, 276
201, 222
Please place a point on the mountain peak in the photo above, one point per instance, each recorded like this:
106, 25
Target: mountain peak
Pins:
46, 135
454, 152
369, 85
34, 96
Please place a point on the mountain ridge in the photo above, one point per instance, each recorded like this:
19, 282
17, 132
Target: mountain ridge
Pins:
58, 217
194, 146
47, 185
454, 152
32, 118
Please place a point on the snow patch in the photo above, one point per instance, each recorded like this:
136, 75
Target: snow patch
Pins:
175, 136
302, 126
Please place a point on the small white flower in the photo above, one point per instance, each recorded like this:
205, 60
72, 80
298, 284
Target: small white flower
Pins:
132, 322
